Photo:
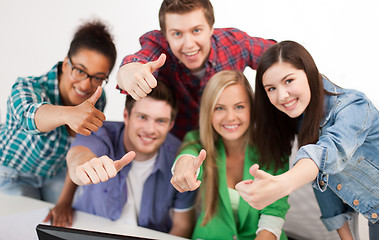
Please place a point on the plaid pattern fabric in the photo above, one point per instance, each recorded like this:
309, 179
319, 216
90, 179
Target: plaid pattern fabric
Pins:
231, 49
22, 146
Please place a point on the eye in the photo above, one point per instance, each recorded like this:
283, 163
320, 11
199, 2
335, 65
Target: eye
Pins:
80, 71
177, 34
162, 121
239, 107
142, 117
196, 30
270, 89
288, 81
218, 108
98, 80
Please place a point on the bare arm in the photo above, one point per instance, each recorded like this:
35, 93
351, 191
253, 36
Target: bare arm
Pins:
82, 118
62, 213
183, 223
265, 235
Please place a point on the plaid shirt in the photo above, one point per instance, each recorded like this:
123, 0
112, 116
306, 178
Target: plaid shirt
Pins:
231, 49
22, 146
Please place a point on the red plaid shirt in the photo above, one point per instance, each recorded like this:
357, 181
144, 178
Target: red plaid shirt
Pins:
231, 49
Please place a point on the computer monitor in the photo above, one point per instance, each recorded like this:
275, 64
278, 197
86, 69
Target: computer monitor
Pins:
47, 232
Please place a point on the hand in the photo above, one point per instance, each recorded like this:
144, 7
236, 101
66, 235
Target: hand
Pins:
60, 216
263, 190
137, 78
102, 168
184, 178
85, 118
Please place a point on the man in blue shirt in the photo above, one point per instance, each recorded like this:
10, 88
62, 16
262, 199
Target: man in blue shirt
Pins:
139, 193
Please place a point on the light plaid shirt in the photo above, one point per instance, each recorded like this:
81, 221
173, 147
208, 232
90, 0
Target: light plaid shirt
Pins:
22, 146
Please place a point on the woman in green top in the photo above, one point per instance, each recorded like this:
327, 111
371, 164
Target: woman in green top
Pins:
225, 134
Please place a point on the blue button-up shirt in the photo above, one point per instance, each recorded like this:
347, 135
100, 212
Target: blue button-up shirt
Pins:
108, 198
347, 152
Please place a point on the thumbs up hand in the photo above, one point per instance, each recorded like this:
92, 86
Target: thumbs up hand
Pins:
184, 178
101, 169
137, 78
85, 118
263, 190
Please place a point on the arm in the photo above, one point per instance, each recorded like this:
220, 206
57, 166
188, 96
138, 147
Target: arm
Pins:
62, 213
265, 235
83, 118
84, 167
137, 78
183, 223
266, 188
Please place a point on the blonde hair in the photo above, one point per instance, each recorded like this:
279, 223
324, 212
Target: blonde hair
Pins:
209, 137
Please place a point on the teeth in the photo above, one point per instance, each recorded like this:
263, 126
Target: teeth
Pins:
147, 139
230, 126
191, 53
290, 103
80, 92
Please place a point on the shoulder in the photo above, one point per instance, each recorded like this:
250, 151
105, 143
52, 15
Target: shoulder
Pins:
171, 144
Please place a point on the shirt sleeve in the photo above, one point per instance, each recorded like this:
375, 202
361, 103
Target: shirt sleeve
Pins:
353, 118
23, 103
255, 48
271, 224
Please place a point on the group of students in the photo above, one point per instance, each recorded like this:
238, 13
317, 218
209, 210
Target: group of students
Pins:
230, 178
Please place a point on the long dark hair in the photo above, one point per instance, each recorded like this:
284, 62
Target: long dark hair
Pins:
274, 131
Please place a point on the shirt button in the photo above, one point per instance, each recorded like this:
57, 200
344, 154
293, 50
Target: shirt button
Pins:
356, 202
374, 215
339, 187
322, 183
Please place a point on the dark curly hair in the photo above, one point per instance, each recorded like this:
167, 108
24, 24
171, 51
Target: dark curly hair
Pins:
94, 35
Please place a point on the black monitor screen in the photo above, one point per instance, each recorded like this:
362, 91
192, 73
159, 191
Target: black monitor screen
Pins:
47, 232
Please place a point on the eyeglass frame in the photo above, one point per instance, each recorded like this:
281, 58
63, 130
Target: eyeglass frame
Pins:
106, 80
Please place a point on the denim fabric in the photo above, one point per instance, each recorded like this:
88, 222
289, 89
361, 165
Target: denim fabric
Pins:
373, 229
14, 182
347, 150
334, 212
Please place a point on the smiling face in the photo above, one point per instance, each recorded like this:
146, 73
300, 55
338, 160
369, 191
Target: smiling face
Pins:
287, 88
189, 37
146, 127
231, 115
74, 92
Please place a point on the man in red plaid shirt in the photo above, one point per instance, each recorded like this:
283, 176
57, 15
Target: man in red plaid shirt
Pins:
184, 54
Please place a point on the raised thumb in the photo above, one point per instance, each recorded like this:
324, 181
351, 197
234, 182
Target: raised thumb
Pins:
125, 160
154, 65
93, 99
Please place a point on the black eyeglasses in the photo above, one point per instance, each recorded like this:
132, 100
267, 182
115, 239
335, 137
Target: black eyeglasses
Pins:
79, 75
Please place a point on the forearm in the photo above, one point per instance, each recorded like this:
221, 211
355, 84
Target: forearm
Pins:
303, 172
183, 223
77, 156
48, 117
265, 235
68, 192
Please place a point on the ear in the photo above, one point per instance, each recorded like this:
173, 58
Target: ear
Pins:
126, 116
65, 64
172, 124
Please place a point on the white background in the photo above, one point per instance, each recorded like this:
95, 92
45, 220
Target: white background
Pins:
341, 35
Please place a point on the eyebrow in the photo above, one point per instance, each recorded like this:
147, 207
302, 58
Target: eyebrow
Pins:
280, 80
81, 65
178, 30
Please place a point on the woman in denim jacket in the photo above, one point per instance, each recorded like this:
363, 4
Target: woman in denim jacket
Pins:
338, 133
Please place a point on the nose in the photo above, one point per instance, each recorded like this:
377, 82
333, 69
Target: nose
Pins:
282, 94
230, 115
150, 126
189, 41
85, 84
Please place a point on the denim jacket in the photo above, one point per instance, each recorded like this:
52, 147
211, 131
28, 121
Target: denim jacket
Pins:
347, 152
